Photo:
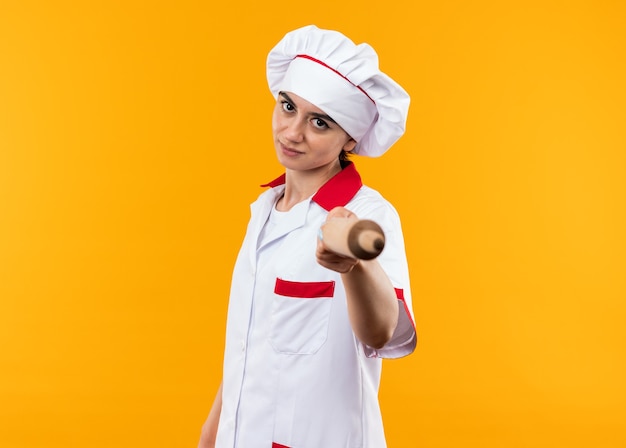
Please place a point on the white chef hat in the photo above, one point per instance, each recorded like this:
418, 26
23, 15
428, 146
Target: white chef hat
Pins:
343, 79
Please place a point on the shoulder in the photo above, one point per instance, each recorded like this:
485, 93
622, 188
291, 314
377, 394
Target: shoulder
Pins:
369, 202
270, 194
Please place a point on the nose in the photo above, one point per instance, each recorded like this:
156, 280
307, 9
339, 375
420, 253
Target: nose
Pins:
294, 131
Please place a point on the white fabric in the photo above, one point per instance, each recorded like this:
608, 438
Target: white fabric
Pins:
343, 79
294, 373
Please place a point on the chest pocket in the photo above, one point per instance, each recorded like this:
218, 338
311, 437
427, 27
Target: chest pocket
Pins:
300, 314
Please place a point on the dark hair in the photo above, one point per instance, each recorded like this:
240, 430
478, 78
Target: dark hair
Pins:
344, 157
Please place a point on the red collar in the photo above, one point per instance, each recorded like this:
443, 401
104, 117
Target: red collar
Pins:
336, 192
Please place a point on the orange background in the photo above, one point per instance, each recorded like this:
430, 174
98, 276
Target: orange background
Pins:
133, 136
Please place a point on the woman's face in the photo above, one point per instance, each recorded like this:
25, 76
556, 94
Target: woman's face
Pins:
305, 137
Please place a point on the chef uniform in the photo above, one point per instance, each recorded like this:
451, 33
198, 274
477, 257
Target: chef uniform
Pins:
295, 375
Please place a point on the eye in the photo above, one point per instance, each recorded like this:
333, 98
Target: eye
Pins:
287, 106
319, 123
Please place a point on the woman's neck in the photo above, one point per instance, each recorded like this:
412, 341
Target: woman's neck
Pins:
300, 185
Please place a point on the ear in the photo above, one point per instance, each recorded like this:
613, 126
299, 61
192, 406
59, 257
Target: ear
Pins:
349, 146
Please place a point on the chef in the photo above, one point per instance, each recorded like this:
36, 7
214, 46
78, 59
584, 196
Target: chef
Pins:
308, 328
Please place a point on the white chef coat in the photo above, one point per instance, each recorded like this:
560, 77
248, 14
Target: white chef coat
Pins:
295, 375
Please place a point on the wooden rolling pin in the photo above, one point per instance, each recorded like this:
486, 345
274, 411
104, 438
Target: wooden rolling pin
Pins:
356, 238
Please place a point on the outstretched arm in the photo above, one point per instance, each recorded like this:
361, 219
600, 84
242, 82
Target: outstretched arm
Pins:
371, 298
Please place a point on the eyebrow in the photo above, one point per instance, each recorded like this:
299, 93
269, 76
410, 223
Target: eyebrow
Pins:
312, 114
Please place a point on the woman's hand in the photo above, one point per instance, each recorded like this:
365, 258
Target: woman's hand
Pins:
332, 260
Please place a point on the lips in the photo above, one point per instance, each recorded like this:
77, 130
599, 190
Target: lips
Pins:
289, 151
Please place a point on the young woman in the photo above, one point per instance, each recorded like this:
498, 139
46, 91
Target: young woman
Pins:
307, 328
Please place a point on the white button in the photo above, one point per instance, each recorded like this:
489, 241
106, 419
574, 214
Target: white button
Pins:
243, 346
